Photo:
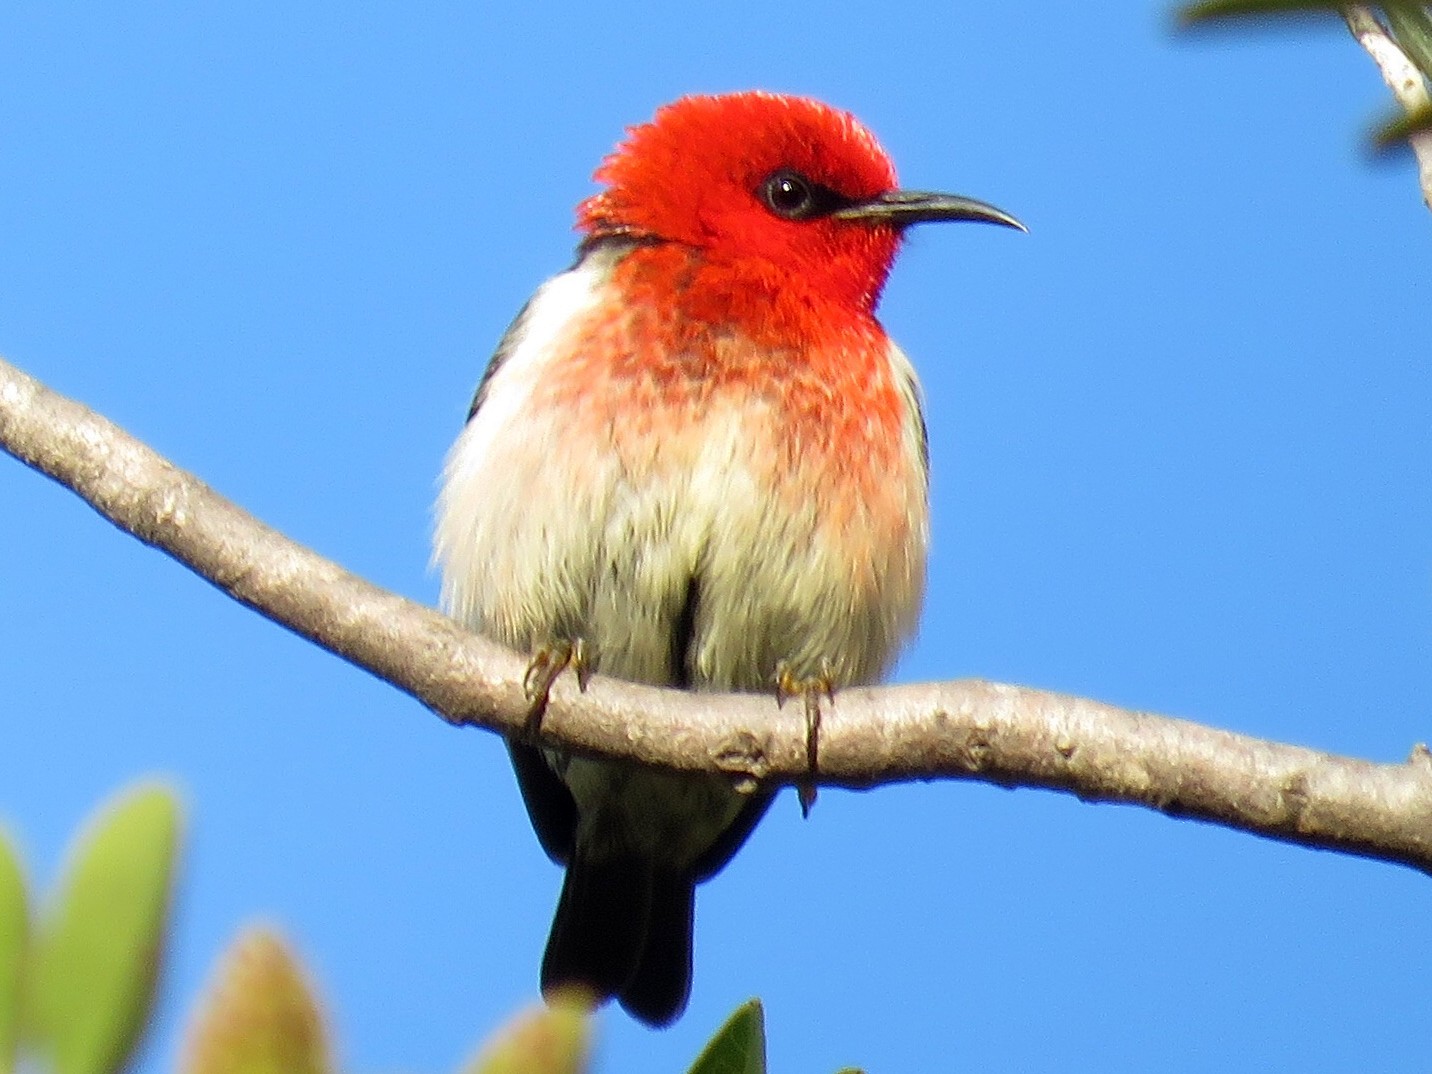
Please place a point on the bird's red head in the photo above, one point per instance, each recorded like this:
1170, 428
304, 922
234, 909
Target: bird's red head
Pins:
754, 177
784, 189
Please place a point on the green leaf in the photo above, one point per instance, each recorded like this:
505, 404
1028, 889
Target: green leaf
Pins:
259, 1016
14, 935
1413, 29
1212, 11
97, 954
739, 1046
1394, 133
554, 1039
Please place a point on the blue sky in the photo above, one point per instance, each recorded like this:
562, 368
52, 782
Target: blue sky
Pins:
1181, 462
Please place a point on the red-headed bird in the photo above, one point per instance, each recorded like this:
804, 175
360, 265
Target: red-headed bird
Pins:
696, 460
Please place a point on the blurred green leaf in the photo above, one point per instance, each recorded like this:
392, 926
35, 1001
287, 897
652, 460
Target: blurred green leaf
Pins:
739, 1046
98, 947
553, 1039
1211, 11
14, 934
1214, 10
259, 1015
1394, 133
1412, 27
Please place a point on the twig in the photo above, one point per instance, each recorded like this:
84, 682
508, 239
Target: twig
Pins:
1008, 735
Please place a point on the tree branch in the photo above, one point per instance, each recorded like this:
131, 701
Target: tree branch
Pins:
1402, 77
1009, 735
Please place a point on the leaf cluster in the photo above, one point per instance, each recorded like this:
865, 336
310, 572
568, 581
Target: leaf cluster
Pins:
1409, 23
78, 975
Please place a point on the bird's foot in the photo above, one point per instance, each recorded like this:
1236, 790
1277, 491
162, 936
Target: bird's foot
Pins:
549, 660
810, 690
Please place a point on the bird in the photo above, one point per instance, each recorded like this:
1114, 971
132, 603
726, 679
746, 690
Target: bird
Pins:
695, 460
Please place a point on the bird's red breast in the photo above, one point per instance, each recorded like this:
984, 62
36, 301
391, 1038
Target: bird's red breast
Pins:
679, 339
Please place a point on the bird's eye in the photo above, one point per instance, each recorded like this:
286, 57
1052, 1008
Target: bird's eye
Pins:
790, 194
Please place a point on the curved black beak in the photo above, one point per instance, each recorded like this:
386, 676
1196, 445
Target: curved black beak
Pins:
901, 208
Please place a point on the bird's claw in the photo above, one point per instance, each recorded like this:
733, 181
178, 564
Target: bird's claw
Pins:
810, 690
548, 662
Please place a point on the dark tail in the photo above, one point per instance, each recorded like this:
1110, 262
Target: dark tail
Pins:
657, 993
623, 929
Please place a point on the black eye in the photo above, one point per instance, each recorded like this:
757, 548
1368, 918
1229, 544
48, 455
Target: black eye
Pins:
789, 194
